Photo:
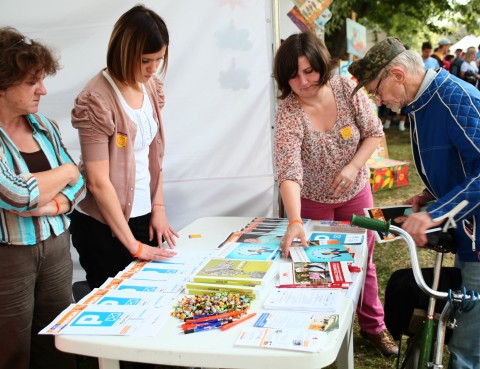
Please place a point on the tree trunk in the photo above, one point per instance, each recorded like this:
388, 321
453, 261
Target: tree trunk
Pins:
336, 43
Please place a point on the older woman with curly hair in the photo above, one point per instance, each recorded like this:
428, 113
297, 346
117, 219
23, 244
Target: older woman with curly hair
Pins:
39, 186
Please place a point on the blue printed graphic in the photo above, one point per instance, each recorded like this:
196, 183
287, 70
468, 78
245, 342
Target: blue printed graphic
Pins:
119, 301
137, 288
252, 251
97, 319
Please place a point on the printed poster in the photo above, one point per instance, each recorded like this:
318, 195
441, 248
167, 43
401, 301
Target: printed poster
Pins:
356, 38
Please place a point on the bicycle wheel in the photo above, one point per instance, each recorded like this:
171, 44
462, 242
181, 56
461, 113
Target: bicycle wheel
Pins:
412, 353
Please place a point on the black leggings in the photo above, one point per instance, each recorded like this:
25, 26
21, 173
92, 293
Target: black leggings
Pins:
101, 254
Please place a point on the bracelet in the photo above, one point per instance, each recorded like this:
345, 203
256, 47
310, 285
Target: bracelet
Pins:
139, 250
55, 200
159, 204
295, 221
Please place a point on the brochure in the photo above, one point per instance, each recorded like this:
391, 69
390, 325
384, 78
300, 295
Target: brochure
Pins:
128, 297
333, 226
236, 272
329, 238
320, 253
301, 331
333, 274
300, 320
397, 216
249, 251
323, 300
121, 320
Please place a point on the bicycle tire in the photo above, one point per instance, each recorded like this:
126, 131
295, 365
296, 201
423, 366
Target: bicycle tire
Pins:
412, 353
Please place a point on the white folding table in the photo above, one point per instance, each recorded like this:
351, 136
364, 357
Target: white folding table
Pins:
215, 348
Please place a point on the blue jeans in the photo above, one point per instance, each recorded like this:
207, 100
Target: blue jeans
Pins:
464, 345
35, 286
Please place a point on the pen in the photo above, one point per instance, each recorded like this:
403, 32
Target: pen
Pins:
205, 327
199, 316
301, 286
238, 321
230, 314
330, 286
212, 315
189, 325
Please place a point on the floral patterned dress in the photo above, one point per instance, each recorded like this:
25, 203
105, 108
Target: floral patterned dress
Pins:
312, 158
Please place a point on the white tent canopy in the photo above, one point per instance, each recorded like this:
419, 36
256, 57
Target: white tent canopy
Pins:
465, 43
219, 93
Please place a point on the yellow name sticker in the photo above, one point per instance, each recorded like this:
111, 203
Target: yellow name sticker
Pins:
121, 140
346, 132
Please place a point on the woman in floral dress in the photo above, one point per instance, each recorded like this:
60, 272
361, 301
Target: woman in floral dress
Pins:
323, 138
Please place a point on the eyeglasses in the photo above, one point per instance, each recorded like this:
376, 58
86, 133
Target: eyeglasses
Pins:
25, 40
374, 95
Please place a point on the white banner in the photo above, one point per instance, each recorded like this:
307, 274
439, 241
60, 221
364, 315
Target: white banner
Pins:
219, 93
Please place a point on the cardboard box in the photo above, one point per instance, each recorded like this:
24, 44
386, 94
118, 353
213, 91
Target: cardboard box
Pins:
387, 174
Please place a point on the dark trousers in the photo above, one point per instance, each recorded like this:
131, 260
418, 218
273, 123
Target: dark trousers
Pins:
35, 286
101, 254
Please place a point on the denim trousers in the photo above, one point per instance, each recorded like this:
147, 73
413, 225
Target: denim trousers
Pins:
35, 286
464, 345
369, 310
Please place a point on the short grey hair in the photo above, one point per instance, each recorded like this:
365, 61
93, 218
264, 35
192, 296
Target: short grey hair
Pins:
410, 60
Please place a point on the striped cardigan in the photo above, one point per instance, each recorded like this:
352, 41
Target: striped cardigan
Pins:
19, 189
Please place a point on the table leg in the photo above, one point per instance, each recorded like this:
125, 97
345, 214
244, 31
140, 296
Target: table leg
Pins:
345, 354
108, 363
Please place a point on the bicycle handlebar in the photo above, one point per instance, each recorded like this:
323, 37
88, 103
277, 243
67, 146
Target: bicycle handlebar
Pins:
386, 227
370, 223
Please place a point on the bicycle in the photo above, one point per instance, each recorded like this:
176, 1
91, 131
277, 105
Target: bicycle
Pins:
457, 301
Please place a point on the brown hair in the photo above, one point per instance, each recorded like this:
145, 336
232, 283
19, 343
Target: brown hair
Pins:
286, 60
21, 57
138, 31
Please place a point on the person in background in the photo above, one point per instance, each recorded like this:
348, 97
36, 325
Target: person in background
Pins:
118, 118
456, 64
428, 61
322, 140
39, 185
442, 50
447, 61
389, 116
446, 146
458, 53
469, 69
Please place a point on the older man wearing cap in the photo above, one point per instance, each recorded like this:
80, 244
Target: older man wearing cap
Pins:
444, 116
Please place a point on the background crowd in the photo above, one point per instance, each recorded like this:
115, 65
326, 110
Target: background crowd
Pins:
464, 64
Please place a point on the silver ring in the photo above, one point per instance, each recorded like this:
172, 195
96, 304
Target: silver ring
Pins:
342, 181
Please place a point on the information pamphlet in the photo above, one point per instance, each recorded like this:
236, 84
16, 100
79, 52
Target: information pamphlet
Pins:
325, 247
322, 300
301, 320
341, 226
249, 251
236, 272
396, 215
333, 274
285, 339
307, 332
121, 320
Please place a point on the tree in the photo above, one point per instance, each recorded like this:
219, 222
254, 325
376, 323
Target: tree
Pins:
413, 21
